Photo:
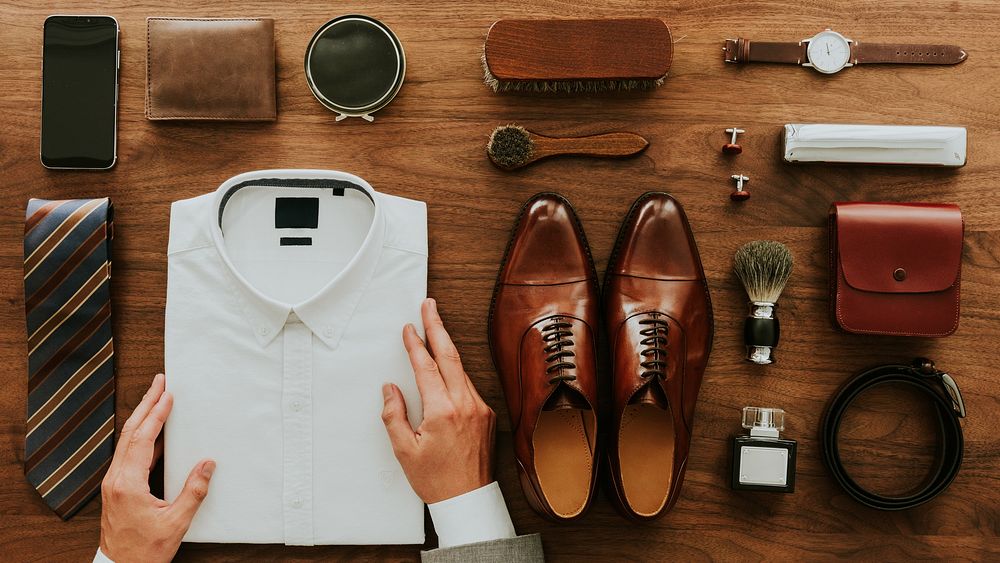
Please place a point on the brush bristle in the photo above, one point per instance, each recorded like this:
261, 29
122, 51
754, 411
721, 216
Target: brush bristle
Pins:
510, 146
763, 266
564, 86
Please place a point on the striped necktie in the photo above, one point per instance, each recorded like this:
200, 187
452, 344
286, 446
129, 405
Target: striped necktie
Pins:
71, 386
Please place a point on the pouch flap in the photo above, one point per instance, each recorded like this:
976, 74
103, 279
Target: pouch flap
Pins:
899, 247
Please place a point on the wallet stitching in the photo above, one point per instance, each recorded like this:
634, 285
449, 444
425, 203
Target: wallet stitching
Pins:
834, 259
149, 75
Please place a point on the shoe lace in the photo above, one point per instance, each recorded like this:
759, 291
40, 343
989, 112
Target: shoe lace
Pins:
654, 343
557, 336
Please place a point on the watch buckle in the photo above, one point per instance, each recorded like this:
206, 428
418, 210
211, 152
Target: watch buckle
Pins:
731, 48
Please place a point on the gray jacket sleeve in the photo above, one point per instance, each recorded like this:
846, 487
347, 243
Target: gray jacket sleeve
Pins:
522, 549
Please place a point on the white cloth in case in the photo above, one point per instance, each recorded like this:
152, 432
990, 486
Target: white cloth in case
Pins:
275, 355
915, 145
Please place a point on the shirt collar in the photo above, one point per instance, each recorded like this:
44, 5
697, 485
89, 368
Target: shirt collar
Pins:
328, 312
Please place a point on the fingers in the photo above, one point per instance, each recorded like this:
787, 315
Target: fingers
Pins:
194, 492
475, 392
444, 350
141, 446
138, 415
446, 353
401, 434
425, 369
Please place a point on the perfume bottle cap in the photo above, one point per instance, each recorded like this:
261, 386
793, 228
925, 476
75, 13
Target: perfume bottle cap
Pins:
763, 421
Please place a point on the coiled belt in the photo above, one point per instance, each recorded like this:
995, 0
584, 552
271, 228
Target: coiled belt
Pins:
949, 407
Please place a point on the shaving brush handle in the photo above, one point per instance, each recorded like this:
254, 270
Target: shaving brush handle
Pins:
761, 332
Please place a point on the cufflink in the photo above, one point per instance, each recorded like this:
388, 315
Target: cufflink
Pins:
741, 193
731, 147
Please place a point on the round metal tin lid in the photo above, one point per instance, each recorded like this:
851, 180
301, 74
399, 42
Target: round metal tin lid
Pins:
355, 65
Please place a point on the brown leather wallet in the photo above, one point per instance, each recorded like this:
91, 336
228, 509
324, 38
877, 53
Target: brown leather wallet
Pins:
211, 69
895, 268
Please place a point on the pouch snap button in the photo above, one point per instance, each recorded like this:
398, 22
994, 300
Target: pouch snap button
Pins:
899, 274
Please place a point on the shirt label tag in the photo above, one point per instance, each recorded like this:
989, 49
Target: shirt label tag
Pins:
296, 213
296, 241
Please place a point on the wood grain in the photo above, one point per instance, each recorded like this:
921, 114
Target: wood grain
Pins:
604, 144
579, 49
428, 145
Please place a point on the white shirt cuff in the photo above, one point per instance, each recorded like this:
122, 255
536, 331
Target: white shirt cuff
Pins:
476, 516
101, 558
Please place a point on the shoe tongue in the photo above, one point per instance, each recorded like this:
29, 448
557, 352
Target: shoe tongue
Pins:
650, 394
565, 397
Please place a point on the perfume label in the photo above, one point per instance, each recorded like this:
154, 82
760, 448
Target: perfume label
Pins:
763, 466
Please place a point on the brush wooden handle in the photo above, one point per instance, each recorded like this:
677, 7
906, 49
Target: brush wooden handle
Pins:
579, 49
606, 144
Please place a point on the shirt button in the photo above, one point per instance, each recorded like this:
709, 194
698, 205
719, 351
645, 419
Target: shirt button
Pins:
328, 331
296, 503
263, 331
296, 406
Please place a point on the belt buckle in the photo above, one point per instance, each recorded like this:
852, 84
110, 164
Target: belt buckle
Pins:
956, 396
925, 368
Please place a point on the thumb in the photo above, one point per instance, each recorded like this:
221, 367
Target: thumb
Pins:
394, 417
194, 492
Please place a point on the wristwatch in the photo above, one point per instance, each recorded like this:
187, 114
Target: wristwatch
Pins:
829, 52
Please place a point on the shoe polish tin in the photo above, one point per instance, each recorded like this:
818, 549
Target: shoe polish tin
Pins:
355, 66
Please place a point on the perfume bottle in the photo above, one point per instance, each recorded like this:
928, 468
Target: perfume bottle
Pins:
763, 461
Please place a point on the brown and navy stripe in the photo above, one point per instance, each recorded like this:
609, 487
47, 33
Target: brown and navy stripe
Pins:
71, 386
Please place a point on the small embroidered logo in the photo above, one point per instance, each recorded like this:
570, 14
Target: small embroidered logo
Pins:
387, 477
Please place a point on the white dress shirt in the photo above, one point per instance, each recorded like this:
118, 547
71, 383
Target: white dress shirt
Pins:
276, 355
256, 407
292, 423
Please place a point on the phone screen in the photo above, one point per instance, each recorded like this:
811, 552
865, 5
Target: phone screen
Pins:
79, 91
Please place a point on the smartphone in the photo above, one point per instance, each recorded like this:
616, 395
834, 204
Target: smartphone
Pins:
80, 92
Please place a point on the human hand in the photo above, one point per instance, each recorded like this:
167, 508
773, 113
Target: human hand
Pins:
135, 525
451, 452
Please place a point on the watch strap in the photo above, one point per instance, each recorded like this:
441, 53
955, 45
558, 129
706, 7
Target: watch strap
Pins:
887, 53
742, 50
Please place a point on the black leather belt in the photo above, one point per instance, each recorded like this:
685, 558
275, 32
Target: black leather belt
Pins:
949, 407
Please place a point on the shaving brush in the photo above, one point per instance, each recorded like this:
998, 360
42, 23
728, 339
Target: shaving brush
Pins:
512, 146
763, 266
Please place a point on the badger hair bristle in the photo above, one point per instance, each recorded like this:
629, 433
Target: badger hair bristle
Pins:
510, 146
763, 266
564, 86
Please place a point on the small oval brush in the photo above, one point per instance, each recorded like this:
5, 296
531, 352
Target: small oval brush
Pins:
513, 146
763, 266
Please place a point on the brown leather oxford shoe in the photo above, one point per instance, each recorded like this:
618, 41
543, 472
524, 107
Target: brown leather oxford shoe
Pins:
659, 323
543, 334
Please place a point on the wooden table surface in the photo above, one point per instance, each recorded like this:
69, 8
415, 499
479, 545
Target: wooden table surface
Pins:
429, 145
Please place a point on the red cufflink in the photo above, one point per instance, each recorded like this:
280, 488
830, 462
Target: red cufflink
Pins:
741, 193
731, 147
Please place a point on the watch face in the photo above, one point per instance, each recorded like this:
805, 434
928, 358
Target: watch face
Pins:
829, 52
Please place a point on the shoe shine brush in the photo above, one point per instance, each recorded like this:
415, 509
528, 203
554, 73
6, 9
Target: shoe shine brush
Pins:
513, 146
577, 56
763, 266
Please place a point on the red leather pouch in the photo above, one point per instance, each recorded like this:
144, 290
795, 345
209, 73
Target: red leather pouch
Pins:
895, 268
